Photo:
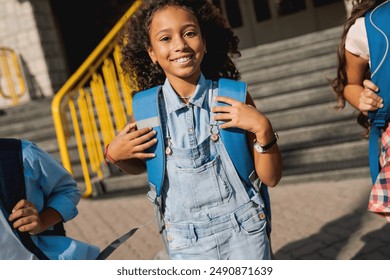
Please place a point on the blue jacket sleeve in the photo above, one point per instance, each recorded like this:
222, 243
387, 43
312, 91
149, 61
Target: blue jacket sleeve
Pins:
48, 183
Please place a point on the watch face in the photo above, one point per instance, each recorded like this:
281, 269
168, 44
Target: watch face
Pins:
258, 147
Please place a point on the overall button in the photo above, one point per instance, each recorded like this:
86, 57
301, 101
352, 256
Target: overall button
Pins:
262, 215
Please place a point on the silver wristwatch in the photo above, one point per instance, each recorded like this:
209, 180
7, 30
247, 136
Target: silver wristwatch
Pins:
264, 148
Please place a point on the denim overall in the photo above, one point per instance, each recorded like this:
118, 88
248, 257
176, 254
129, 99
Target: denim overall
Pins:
209, 213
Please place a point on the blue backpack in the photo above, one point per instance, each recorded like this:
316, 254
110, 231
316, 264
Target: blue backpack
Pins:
232, 139
378, 32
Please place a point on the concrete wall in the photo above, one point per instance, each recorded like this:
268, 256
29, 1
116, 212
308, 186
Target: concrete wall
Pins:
28, 28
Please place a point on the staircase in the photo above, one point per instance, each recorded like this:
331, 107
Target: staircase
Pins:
288, 81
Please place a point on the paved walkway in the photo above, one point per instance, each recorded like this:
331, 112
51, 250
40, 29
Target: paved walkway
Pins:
318, 220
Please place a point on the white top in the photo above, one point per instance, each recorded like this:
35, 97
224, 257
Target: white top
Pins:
356, 41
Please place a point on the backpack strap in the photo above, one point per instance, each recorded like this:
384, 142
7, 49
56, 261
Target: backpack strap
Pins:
378, 30
150, 117
235, 137
12, 186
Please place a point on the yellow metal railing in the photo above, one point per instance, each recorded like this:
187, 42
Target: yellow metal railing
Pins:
12, 82
96, 101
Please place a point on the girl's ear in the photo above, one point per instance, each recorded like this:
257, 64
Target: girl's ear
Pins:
151, 54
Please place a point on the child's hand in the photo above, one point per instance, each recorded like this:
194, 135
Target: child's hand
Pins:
369, 100
26, 217
131, 143
240, 115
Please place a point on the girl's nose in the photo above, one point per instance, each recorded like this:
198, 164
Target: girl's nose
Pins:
180, 44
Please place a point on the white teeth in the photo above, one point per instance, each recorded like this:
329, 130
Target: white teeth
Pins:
182, 59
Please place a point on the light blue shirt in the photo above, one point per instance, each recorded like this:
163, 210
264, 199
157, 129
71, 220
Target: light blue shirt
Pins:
185, 119
48, 184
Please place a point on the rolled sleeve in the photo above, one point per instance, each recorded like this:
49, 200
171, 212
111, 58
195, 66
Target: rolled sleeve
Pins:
59, 189
65, 207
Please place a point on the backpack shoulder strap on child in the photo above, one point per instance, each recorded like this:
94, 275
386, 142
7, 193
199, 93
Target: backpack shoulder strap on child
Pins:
378, 33
12, 186
232, 138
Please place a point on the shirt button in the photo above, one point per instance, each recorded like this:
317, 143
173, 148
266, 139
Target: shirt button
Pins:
191, 130
169, 237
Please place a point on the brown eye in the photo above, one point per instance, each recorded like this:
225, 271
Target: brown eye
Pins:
190, 34
165, 39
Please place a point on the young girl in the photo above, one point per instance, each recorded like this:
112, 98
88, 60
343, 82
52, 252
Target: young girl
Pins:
186, 46
352, 85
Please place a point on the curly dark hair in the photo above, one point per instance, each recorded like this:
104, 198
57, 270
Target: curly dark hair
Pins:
360, 8
222, 43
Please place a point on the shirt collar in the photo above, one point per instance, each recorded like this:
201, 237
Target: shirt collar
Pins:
173, 102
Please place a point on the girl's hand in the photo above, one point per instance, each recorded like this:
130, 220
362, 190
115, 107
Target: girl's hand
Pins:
369, 100
26, 217
240, 115
131, 143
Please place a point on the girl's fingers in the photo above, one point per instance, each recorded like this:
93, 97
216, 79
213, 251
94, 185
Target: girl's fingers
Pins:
145, 145
223, 117
226, 125
370, 85
226, 100
139, 133
144, 138
145, 155
221, 109
128, 128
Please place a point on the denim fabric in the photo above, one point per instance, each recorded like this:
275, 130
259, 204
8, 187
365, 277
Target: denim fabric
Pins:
209, 212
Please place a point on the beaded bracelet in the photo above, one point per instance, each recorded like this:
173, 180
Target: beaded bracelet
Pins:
107, 156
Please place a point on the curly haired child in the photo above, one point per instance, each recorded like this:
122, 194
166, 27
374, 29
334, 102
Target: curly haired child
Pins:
209, 212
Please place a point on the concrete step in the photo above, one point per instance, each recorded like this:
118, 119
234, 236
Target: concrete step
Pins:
302, 138
30, 110
331, 175
291, 69
292, 43
296, 99
308, 116
250, 64
291, 84
325, 158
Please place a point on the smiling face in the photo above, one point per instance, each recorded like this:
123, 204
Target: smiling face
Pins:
176, 43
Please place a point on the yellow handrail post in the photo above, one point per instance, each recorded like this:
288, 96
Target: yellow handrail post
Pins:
94, 87
12, 74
